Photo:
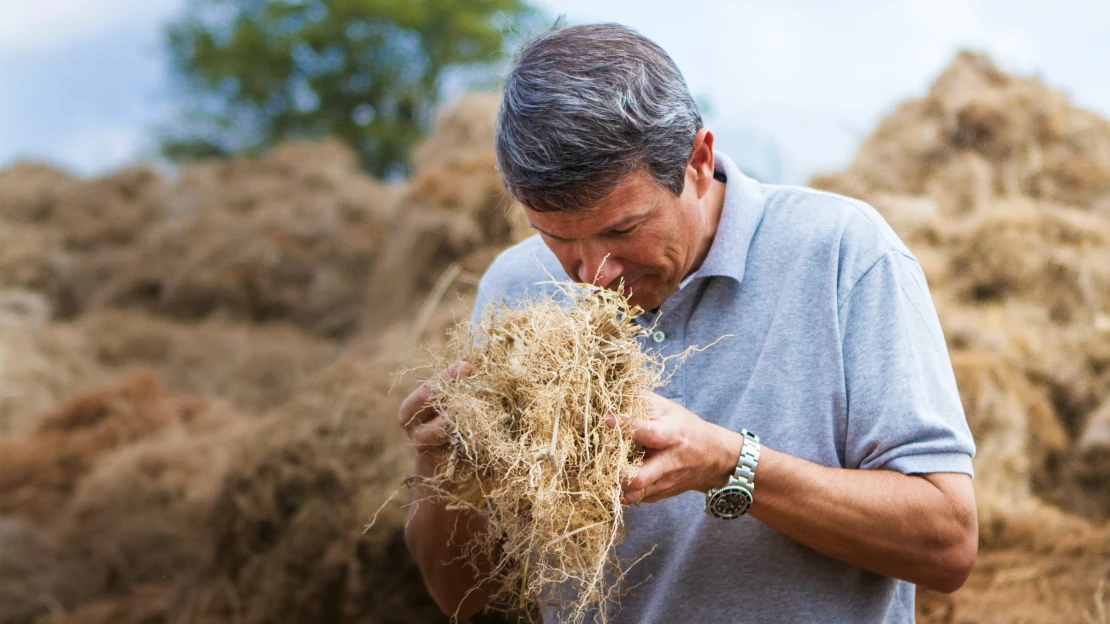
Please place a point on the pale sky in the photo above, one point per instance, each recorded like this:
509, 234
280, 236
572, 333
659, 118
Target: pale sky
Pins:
792, 85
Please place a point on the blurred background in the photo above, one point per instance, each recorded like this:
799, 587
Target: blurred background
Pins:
791, 88
226, 226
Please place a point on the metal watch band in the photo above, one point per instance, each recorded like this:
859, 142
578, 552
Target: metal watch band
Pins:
749, 459
735, 498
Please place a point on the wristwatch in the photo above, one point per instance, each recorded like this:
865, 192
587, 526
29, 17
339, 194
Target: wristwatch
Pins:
735, 498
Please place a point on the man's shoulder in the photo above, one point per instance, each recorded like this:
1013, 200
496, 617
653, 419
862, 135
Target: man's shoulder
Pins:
825, 222
853, 220
519, 272
526, 262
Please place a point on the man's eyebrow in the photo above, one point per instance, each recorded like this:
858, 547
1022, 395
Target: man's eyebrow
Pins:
616, 226
631, 219
559, 238
531, 225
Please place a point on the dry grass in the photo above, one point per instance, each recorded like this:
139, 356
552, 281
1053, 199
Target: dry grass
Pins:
531, 446
38, 474
287, 237
41, 363
284, 525
255, 366
996, 182
454, 204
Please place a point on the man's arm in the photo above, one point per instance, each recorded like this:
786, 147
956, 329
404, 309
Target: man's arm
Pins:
922, 529
437, 537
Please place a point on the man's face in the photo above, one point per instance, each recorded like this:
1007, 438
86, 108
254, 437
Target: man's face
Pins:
641, 234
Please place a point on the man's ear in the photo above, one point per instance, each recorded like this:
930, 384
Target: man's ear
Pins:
699, 169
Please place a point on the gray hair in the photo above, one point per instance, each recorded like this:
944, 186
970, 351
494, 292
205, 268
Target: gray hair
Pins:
584, 107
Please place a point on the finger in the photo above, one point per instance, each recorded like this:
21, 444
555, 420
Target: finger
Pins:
649, 433
415, 409
649, 472
612, 419
657, 404
641, 495
430, 436
458, 369
454, 370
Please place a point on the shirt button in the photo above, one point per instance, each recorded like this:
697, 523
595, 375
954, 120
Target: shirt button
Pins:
658, 336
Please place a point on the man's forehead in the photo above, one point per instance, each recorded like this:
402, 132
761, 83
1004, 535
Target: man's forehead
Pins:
636, 196
596, 220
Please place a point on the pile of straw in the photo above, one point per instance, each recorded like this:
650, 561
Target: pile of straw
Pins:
64, 236
255, 366
38, 473
1000, 187
454, 204
283, 523
286, 237
531, 445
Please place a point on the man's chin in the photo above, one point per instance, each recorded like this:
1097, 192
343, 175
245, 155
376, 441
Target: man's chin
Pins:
644, 300
638, 295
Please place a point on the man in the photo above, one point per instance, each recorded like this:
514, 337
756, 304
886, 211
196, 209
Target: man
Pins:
830, 415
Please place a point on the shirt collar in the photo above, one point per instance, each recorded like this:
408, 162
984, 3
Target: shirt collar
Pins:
740, 216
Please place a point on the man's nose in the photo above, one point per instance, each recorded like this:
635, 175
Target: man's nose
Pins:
596, 266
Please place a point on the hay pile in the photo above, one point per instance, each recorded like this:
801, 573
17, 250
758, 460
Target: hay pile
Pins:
256, 367
1001, 188
29, 563
41, 363
1087, 472
134, 503
109, 495
454, 204
980, 132
531, 447
286, 237
37, 474
285, 523
1016, 431
64, 236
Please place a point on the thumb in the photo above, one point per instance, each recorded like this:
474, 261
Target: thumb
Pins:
457, 369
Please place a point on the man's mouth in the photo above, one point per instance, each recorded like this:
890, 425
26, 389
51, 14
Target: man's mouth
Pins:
630, 287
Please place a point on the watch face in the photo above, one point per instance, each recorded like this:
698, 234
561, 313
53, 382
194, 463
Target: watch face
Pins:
731, 502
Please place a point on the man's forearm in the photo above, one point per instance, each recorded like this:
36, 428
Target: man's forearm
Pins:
438, 538
917, 528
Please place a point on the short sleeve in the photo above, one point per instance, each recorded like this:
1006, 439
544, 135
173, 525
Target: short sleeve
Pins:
521, 272
480, 301
904, 410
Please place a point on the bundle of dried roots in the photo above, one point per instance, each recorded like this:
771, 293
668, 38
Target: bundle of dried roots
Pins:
531, 446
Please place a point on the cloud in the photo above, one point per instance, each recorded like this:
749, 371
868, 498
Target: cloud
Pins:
800, 79
92, 149
29, 27
814, 77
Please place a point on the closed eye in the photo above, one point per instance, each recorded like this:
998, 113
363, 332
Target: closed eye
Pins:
626, 230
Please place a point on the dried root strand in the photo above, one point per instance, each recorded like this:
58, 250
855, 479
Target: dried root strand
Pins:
530, 444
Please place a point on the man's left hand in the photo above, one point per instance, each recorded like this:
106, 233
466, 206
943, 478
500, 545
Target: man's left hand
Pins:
683, 453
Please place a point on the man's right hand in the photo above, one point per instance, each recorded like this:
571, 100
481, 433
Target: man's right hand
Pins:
424, 425
435, 536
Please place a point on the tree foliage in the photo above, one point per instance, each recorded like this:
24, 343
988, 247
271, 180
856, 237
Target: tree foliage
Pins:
256, 72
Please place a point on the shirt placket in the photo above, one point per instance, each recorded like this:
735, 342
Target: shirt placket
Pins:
668, 338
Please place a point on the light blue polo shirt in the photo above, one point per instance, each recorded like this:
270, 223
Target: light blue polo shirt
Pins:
836, 356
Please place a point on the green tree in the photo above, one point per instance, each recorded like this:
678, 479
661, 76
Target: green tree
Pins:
256, 72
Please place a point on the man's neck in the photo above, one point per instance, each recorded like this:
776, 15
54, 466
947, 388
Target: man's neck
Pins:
714, 205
